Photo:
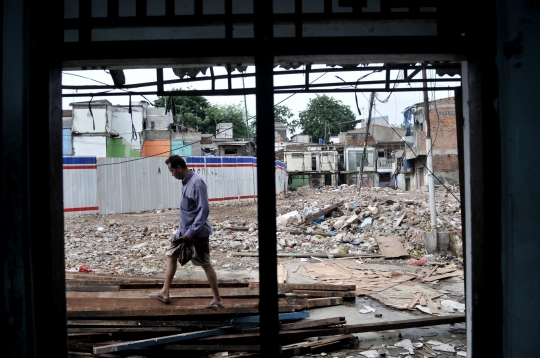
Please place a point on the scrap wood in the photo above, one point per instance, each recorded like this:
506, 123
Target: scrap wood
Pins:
422, 301
315, 347
305, 255
212, 347
390, 246
282, 274
431, 272
314, 293
311, 323
296, 269
323, 302
413, 301
289, 287
296, 335
309, 218
432, 306
179, 306
446, 275
174, 292
159, 340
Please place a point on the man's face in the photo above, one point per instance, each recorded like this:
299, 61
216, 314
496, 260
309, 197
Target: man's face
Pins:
176, 172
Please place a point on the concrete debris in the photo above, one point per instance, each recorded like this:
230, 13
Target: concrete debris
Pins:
366, 309
441, 347
127, 243
452, 306
370, 354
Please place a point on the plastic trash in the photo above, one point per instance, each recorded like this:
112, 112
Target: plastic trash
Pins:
319, 220
84, 268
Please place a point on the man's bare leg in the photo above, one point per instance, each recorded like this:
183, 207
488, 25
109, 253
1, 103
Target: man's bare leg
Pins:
172, 264
212, 280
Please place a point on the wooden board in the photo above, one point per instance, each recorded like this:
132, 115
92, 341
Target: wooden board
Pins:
282, 274
390, 246
179, 306
310, 323
175, 292
440, 277
314, 294
323, 302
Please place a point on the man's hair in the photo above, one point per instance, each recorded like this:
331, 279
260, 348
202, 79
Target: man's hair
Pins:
176, 161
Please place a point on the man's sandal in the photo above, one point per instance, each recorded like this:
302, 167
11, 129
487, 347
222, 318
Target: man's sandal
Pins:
215, 304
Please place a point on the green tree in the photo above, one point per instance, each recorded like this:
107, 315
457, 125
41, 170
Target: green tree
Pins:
283, 114
323, 116
190, 110
230, 113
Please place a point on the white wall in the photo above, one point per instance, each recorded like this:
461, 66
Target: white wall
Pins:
82, 121
121, 124
90, 146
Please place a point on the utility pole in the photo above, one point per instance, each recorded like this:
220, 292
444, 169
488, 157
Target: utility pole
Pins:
429, 149
247, 121
361, 172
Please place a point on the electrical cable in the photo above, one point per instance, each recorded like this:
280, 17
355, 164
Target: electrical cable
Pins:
417, 157
407, 144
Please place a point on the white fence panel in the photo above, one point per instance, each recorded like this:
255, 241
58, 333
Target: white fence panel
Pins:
124, 185
80, 191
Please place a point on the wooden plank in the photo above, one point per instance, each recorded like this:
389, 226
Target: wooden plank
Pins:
97, 323
169, 330
315, 347
310, 323
323, 302
432, 306
282, 274
390, 246
299, 254
431, 272
179, 306
296, 335
158, 340
309, 218
85, 288
314, 293
289, 287
212, 347
414, 300
87, 277
440, 277
422, 300
175, 292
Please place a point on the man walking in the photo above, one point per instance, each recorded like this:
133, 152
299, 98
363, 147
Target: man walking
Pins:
191, 241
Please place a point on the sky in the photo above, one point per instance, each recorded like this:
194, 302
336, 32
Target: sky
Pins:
397, 103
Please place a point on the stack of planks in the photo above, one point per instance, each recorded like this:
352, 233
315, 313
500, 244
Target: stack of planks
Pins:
106, 308
106, 296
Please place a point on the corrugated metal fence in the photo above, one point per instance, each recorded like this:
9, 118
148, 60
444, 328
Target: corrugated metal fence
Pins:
125, 185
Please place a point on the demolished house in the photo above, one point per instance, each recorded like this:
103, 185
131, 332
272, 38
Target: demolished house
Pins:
382, 144
412, 171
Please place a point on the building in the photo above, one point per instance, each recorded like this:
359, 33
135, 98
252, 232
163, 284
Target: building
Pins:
239, 147
100, 129
310, 164
442, 118
382, 144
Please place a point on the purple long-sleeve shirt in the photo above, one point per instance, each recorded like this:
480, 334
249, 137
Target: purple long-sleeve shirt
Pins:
194, 208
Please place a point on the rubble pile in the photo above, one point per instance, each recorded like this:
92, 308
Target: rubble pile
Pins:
134, 244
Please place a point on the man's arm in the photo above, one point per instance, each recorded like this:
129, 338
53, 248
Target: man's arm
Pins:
203, 208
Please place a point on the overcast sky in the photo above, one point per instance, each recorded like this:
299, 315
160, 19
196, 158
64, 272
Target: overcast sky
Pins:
397, 102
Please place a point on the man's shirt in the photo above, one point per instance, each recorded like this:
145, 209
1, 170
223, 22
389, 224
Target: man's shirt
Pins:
194, 208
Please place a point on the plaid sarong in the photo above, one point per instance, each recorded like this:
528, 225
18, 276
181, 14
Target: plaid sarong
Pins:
197, 250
